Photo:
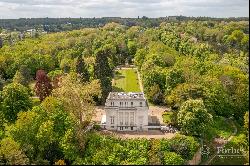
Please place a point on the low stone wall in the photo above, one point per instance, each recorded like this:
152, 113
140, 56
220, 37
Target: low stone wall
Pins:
196, 159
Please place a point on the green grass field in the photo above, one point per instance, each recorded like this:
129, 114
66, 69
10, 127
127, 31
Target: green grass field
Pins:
126, 80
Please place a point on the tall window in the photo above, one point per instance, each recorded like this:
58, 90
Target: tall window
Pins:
132, 104
121, 118
131, 118
140, 104
126, 118
112, 119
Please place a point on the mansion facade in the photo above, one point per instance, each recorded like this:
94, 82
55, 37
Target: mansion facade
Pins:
126, 112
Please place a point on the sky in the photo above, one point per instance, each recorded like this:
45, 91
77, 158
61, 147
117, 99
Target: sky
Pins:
122, 8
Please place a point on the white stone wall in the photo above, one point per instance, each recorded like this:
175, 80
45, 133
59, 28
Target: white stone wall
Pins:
114, 109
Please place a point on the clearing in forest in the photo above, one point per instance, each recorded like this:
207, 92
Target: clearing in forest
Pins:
126, 80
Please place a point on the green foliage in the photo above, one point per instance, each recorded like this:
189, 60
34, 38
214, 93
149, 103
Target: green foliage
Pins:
246, 121
220, 127
171, 158
40, 130
54, 74
178, 62
184, 92
15, 98
193, 118
11, 153
155, 94
185, 146
103, 72
169, 118
20, 79
174, 77
81, 69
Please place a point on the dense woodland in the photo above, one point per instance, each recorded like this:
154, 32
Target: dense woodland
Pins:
51, 84
62, 24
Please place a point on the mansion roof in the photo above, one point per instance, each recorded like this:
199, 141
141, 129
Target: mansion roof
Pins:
122, 95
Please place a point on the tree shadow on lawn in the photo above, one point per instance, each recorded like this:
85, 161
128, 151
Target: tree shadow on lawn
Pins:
116, 89
118, 77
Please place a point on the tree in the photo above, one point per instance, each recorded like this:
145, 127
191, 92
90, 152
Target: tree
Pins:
77, 99
15, 99
186, 146
103, 72
11, 153
183, 92
246, 121
193, 118
82, 70
173, 78
2, 82
155, 94
40, 130
19, 79
43, 86
1, 42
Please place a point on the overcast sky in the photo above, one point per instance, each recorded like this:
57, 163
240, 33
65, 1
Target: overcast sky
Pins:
122, 8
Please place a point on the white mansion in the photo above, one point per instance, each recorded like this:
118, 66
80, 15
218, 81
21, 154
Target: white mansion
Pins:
126, 111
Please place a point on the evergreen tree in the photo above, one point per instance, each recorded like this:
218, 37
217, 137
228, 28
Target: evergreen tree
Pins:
82, 70
103, 72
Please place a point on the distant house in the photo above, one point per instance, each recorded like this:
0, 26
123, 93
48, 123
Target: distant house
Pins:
32, 32
172, 18
126, 112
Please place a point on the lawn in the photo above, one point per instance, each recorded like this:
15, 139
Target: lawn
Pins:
126, 80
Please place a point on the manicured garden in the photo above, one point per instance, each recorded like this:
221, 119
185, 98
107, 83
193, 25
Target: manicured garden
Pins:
126, 80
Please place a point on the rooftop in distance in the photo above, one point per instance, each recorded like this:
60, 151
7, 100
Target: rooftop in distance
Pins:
129, 95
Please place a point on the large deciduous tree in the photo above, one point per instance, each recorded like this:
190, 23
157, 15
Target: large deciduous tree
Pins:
15, 98
193, 118
43, 85
77, 99
11, 153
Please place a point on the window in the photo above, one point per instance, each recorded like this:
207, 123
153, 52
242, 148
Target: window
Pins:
112, 119
121, 118
140, 104
131, 118
132, 104
126, 118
